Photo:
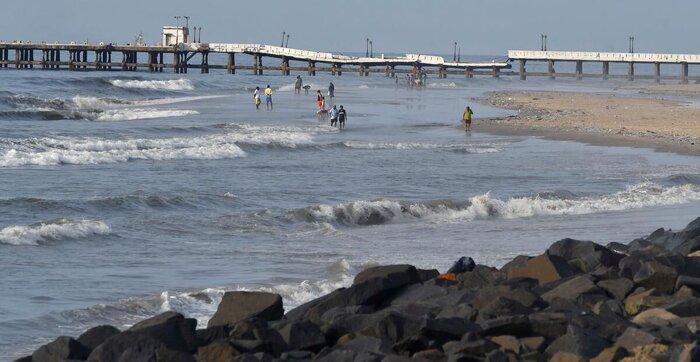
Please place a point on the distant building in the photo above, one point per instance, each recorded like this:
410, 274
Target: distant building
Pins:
175, 34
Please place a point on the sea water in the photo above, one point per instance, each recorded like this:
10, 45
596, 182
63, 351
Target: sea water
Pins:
124, 195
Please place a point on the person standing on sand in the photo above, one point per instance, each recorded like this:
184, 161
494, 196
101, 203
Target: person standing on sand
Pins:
268, 97
257, 101
334, 116
467, 118
319, 99
342, 116
297, 85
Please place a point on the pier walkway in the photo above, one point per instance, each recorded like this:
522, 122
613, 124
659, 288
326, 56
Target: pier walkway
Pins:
579, 58
102, 57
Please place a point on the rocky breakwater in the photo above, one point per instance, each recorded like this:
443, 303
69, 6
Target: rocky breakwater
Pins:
577, 301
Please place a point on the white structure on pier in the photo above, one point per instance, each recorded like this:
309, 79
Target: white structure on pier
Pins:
603, 57
175, 34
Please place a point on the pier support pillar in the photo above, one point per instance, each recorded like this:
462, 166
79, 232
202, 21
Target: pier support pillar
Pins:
334, 69
496, 72
523, 76
443, 72
393, 71
85, 59
230, 64
151, 61
469, 72
657, 72
312, 66
684, 72
630, 71
340, 70
44, 58
260, 65
550, 69
98, 59
18, 56
205, 62
386, 71
579, 70
161, 63
176, 62
606, 70
58, 59
285, 66
31, 58
362, 70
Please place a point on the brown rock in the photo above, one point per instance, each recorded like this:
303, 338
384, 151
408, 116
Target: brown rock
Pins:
633, 337
533, 343
237, 306
654, 317
651, 353
647, 299
345, 339
578, 290
545, 268
611, 354
507, 343
653, 274
566, 357
684, 291
217, 352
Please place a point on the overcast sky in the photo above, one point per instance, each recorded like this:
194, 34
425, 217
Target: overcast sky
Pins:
489, 27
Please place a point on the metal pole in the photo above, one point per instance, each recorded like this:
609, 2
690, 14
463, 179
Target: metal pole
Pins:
541, 42
632, 44
200, 34
287, 44
454, 57
545, 42
459, 54
177, 30
367, 48
371, 53
283, 33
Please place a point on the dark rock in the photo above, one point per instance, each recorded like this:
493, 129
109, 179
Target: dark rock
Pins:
477, 347
518, 326
488, 295
507, 343
412, 345
24, 359
684, 307
545, 268
221, 351
247, 328
578, 341
209, 335
563, 356
163, 354
687, 281
338, 355
61, 349
633, 337
497, 356
464, 311
399, 275
690, 353
446, 329
579, 289
394, 327
427, 274
464, 264
432, 354
132, 345
501, 307
297, 356
653, 274
303, 336
611, 354
349, 323
550, 325
537, 344
617, 288
481, 276
688, 239
369, 344
172, 329
604, 273
618, 247
640, 301
311, 308
237, 306
94, 336
586, 255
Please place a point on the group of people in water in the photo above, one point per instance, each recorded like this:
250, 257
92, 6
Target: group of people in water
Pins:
337, 115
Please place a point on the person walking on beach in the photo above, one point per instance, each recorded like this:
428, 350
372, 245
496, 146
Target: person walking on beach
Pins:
467, 118
268, 97
342, 116
256, 92
297, 85
331, 91
334, 116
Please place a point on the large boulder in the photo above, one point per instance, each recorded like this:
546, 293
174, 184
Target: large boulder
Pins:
94, 336
638, 302
303, 335
617, 288
61, 349
446, 329
172, 329
653, 274
633, 337
545, 268
237, 306
480, 276
579, 289
688, 239
127, 346
578, 341
585, 255
220, 351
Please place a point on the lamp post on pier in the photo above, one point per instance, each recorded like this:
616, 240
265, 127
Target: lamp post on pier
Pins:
631, 44
177, 29
459, 54
454, 56
545, 42
187, 27
200, 34
367, 48
371, 53
286, 45
283, 33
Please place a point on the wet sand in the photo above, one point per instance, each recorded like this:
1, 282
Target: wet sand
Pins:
612, 120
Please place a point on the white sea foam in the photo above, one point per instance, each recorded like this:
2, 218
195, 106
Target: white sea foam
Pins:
90, 103
35, 234
313, 88
164, 101
467, 147
484, 206
173, 84
130, 114
441, 85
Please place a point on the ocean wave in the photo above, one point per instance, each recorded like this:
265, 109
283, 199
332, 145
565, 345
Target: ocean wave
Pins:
313, 88
441, 85
171, 85
92, 150
131, 114
485, 206
464, 147
59, 229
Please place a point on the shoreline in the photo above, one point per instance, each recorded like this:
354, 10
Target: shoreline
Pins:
600, 120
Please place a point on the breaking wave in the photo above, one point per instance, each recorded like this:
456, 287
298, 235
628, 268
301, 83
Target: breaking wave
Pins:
464, 147
484, 206
171, 85
136, 113
59, 229
313, 88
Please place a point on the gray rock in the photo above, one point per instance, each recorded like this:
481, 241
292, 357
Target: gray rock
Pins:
578, 341
653, 274
303, 336
61, 349
237, 306
578, 289
518, 326
172, 329
217, 352
617, 288
446, 329
95, 336
502, 307
684, 307
481, 276
132, 345
633, 337
586, 255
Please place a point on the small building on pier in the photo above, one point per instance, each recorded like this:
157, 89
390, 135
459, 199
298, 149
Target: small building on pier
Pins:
175, 34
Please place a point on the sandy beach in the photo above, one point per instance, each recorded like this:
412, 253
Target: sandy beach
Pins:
665, 125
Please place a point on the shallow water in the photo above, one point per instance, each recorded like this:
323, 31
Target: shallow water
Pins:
125, 195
